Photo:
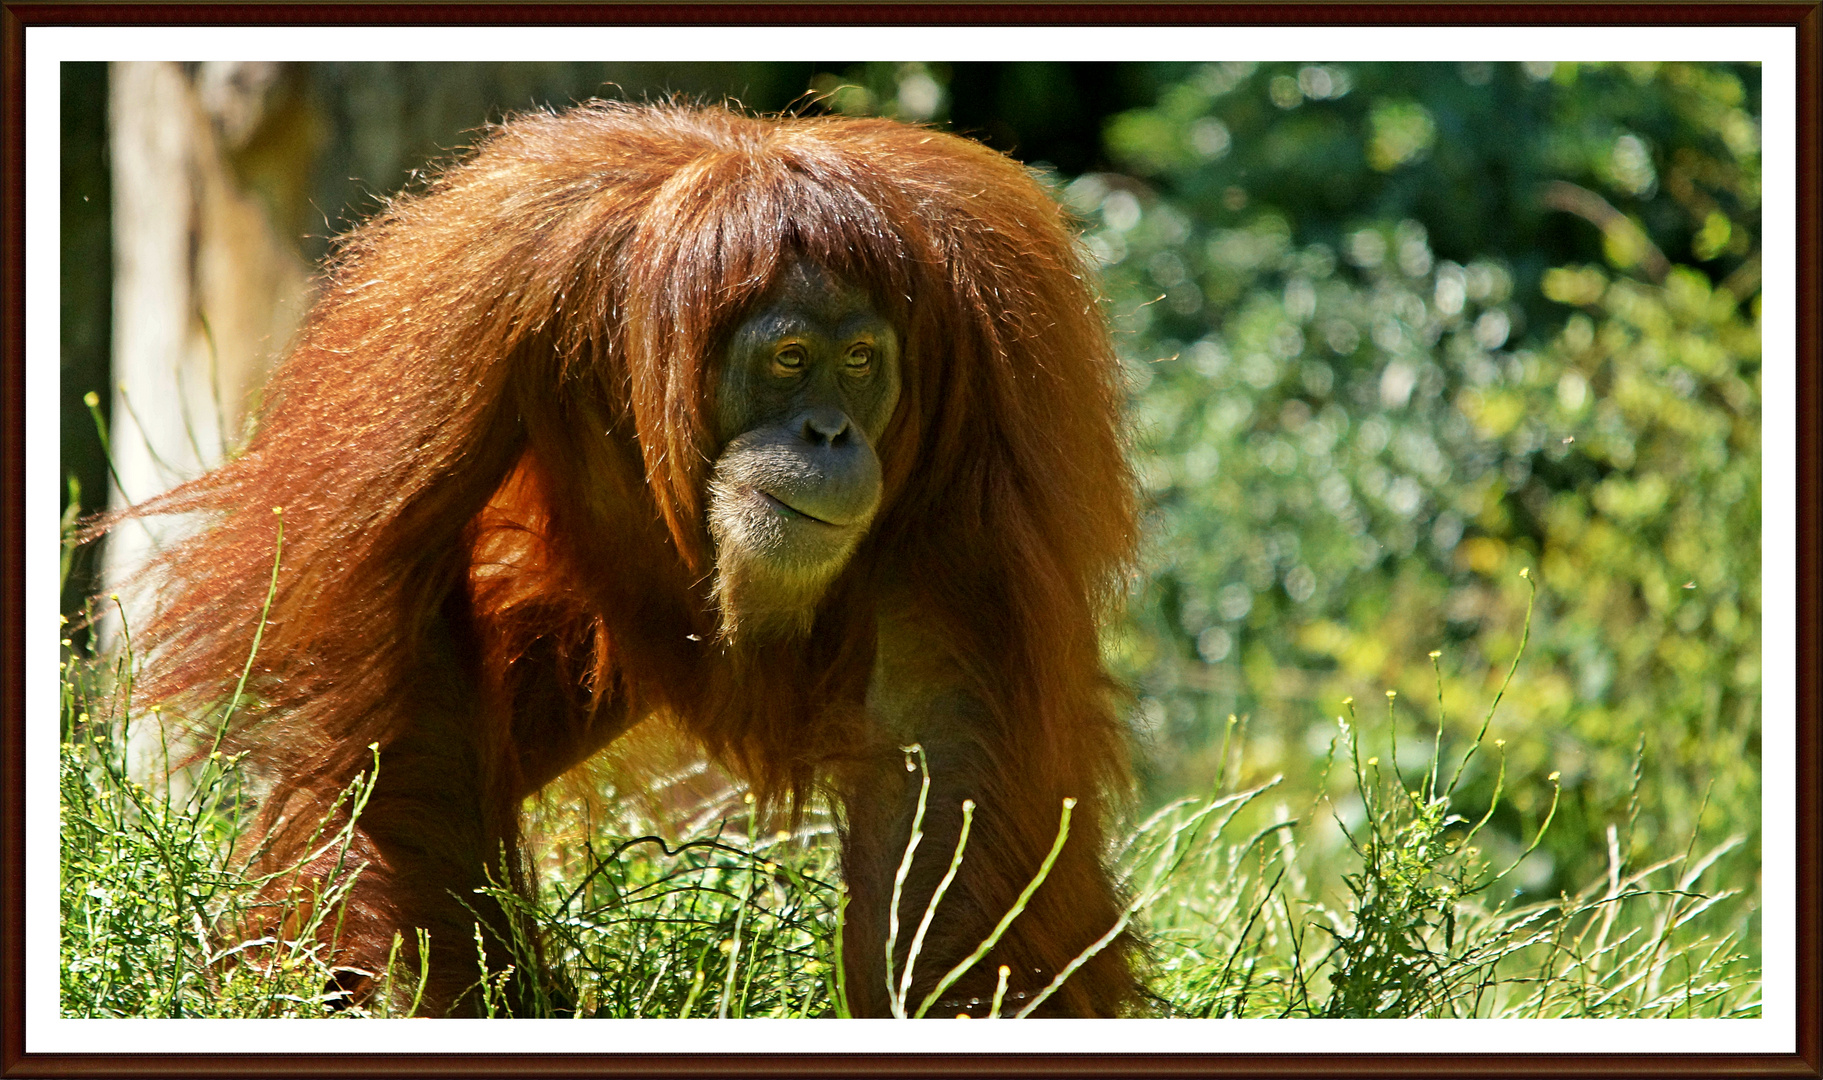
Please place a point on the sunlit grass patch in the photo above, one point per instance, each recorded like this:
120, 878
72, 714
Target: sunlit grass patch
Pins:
1243, 916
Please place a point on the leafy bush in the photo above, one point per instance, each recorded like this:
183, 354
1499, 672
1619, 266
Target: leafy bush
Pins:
1395, 331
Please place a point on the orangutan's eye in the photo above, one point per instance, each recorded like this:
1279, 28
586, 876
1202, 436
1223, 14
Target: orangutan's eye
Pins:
790, 358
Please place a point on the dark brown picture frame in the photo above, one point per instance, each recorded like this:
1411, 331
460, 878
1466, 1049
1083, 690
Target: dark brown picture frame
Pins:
16, 1058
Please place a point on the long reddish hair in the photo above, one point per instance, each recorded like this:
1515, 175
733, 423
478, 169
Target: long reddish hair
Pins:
492, 434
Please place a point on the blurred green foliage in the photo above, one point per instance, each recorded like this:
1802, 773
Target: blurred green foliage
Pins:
1395, 332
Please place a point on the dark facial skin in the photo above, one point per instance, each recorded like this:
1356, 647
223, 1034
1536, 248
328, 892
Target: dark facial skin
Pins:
806, 389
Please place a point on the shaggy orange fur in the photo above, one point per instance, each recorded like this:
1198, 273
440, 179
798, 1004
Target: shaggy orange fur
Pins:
490, 445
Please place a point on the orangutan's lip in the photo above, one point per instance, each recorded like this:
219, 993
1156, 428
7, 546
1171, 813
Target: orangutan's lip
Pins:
785, 509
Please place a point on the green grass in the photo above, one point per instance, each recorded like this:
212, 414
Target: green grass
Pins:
157, 914
1383, 897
